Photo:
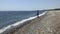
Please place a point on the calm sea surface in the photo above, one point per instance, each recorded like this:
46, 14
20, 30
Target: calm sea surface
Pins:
11, 17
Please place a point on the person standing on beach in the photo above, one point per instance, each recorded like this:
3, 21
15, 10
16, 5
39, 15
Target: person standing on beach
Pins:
38, 13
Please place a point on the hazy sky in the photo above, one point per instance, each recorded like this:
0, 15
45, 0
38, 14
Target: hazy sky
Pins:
28, 4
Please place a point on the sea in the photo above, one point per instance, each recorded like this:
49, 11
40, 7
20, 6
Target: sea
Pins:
7, 18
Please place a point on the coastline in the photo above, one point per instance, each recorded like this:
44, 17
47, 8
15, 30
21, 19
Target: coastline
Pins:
14, 27
47, 24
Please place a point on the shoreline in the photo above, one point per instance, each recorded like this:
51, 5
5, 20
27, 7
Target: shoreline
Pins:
47, 24
13, 28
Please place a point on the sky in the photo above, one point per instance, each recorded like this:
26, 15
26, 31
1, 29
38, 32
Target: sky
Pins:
17, 5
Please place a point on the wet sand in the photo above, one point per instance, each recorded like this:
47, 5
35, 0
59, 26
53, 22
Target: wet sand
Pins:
46, 24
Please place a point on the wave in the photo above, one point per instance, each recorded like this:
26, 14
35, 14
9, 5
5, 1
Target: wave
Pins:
19, 23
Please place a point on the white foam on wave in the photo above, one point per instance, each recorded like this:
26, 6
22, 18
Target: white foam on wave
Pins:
19, 22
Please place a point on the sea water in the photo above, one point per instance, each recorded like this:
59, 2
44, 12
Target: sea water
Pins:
7, 18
